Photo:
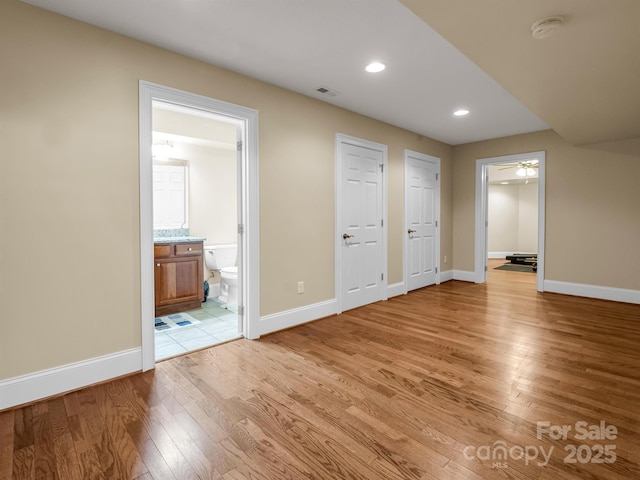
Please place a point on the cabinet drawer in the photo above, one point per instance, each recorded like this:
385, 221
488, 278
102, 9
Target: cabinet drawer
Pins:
183, 249
160, 251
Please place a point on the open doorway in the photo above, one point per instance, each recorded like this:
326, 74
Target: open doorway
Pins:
195, 217
190, 146
510, 214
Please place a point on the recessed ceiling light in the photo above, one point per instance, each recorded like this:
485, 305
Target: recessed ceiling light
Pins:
375, 67
461, 113
504, 183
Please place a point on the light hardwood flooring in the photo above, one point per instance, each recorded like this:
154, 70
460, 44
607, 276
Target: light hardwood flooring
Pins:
423, 386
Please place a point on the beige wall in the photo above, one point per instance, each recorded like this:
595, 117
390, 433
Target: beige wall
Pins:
69, 218
592, 229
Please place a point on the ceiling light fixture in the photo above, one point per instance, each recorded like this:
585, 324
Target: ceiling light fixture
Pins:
461, 113
546, 27
525, 172
375, 67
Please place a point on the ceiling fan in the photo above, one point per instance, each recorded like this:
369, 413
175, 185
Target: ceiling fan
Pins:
525, 168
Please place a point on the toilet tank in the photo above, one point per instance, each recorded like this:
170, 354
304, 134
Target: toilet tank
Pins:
217, 257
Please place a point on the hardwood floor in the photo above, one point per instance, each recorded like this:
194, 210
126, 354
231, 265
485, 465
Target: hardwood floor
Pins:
425, 386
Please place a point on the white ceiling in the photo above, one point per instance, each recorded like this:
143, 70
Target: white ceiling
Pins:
304, 44
583, 81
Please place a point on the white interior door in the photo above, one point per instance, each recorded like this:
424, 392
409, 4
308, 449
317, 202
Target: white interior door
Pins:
361, 224
421, 219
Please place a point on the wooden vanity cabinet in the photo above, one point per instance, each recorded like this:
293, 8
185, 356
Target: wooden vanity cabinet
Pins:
179, 283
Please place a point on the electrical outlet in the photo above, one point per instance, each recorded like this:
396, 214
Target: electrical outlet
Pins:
445, 259
300, 287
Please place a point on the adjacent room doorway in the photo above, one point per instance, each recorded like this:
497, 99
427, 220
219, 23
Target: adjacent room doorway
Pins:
482, 216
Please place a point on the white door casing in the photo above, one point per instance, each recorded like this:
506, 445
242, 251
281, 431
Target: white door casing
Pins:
361, 257
248, 212
422, 216
481, 214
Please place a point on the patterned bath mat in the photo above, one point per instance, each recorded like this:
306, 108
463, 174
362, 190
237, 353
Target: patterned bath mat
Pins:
177, 320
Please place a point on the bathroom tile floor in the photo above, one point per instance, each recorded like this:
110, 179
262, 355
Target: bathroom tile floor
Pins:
217, 325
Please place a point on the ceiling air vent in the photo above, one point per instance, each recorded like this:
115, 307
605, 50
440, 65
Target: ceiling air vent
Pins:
327, 91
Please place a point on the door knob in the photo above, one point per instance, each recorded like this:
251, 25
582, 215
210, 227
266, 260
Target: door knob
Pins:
346, 236
410, 231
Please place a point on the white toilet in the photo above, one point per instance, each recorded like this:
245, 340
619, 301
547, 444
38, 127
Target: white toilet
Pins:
222, 259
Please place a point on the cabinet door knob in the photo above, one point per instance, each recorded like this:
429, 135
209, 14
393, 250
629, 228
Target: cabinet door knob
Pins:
190, 249
157, 264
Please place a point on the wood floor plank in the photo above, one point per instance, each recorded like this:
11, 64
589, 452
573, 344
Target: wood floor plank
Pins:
424, 386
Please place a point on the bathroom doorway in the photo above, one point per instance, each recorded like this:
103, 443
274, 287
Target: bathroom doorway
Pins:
196, 156
195, 206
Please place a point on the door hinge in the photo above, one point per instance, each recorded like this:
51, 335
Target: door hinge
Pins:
382, 222
437, 176
436, 223
382, 167
485, 268
486, 223
382, 276
240, 309
436, 269
239, 146
240, 228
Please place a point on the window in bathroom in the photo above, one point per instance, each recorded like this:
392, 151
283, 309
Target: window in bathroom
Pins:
170, 194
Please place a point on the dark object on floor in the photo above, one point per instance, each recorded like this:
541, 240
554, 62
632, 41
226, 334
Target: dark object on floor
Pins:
206, 290
524, 259
512, 267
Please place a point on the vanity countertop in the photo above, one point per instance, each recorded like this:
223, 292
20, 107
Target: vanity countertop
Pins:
187, 239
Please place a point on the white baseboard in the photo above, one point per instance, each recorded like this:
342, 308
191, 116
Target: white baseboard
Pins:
53, 381
464, 276
296, 316
396, 289
446, 275
500, 254
592, 291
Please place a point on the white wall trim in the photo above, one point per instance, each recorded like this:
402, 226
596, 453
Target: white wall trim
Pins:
480, 242
465, 276
296, 316
502, 254
446, 276
53, 381
593, 291
396, 289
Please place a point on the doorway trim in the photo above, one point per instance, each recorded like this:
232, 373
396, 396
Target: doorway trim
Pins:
405, 245
339, 202
249, 211
481, 223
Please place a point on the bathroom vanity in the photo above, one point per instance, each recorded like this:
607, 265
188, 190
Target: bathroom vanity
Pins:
178, 274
